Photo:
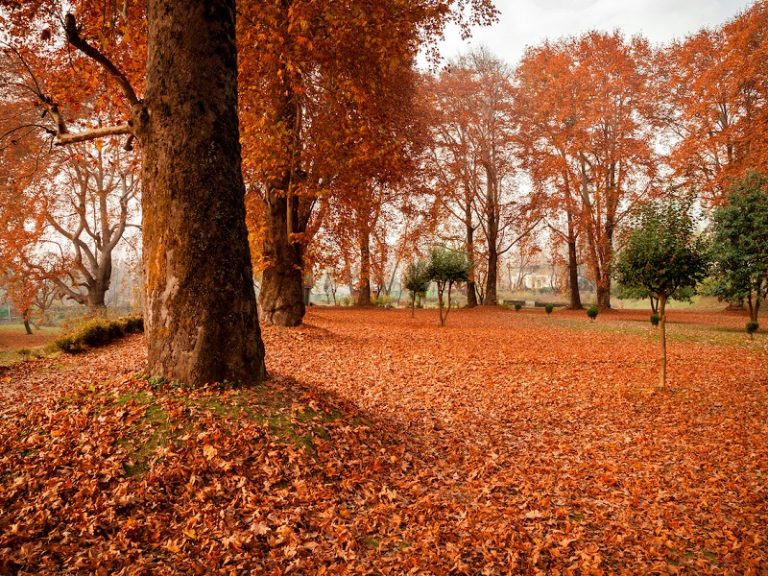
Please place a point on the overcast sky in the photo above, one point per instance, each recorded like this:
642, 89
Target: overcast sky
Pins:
529, 22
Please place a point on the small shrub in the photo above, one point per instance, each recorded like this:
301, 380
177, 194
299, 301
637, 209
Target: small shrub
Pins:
69, 344
655, 319
518, 307
132, 324
752, 327
549, 308
94, 333
98, 332
592, 312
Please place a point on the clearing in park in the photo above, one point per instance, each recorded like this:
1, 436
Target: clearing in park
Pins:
506, 442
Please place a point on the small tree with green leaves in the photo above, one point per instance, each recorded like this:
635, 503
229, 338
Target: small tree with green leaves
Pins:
662, 255
740, 247
416, 281
447, 267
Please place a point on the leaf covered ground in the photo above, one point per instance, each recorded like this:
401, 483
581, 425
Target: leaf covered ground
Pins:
504, 443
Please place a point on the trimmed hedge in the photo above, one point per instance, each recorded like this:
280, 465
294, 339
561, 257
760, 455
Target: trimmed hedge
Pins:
99, 332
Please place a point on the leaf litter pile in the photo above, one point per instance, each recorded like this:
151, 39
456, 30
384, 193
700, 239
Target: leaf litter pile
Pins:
504, 443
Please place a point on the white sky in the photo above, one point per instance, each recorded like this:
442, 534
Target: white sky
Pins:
529, 22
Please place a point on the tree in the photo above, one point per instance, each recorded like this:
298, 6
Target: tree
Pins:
321, 108
416, 280
662, 255
474, 162
587, 107
741, 243
447, 267
714, 93
180, 104
88, 197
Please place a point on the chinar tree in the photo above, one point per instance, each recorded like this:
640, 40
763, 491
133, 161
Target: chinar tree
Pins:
740, 247
662, 255
447, 267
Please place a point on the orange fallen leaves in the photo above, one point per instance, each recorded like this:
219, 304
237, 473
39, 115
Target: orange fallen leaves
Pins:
502, 444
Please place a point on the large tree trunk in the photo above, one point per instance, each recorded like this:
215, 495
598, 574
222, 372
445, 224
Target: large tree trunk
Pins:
364, 297
281, 298
200, 314
573, 268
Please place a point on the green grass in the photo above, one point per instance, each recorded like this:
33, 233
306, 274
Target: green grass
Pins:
287, 421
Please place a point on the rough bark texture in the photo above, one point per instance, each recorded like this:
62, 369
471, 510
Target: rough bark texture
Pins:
27, 327
200, 315
281, 299
573, 267
470, 249
492, 232
364, 297
663, 330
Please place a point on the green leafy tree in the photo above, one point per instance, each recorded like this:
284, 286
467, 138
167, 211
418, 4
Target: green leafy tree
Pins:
740, 249
447, 267
662, 255
416, 281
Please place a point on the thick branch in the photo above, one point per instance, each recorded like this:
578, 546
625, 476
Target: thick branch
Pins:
66, 138
74, 38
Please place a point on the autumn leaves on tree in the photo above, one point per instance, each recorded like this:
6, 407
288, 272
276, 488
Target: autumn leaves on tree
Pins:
274, 138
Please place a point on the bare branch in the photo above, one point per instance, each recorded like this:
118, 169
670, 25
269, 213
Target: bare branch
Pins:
66, 138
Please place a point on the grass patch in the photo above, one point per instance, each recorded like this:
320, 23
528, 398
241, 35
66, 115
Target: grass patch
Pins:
289, 422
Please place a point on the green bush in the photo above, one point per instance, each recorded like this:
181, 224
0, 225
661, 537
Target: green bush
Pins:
655, 319
752, 327
592, 312
518, 307
98, 332
549, 308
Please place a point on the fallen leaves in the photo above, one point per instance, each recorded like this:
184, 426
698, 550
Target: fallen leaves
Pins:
502, 444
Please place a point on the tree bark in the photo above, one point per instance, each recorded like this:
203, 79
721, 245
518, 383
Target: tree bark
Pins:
573, 268
470, 248
281, 299
663, 332
27, 327
200, 314
492, 223
364, 297
604, 293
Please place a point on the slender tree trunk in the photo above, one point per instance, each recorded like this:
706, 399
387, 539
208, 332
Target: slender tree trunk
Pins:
573, 268
200, 314
469, 246
364, 297
492, 229
754, 306
663, 332
490, 298
440, 303
27, 327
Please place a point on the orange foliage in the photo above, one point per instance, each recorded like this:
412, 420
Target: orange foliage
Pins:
716, 88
